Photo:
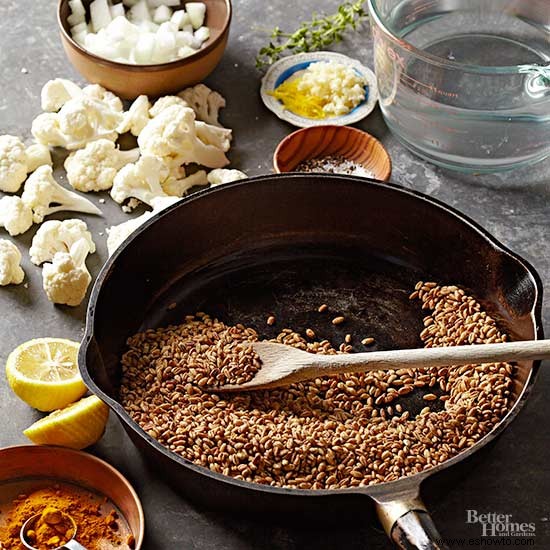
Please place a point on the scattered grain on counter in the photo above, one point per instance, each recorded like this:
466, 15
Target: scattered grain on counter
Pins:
271, 320
322, 308
334, 164
338, 320
367, 341
333, 432
347, 339
310, 333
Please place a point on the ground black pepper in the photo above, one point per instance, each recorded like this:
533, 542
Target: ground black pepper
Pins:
333, 164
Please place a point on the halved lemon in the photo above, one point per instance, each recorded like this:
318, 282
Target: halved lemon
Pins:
44, 373
77, 426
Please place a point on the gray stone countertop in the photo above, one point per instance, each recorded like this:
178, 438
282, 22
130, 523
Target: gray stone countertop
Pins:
513, 477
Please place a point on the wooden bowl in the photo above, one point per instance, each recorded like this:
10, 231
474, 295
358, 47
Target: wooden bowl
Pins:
321, 141
66, 465
129, 81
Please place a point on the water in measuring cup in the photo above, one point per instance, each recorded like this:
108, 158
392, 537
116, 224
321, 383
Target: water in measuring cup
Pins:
466, 119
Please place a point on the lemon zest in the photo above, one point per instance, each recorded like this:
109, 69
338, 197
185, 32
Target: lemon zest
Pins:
300, 103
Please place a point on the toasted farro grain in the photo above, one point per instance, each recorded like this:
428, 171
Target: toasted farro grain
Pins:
329, 433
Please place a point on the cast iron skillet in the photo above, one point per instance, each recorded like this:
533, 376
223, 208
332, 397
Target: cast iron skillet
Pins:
283, 245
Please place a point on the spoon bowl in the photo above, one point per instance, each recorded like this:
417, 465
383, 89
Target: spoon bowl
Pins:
72, 544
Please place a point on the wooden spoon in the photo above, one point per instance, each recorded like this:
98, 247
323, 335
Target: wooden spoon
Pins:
283, 365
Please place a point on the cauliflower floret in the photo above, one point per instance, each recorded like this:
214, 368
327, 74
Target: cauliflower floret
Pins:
205, 102
172, 136
214, 135
55, 93
58, 236
45, 129
99, 92
94, 167
86, 119
15, 215
10, 260
140, 180
81, 120
119, 233
66, 279
13, 164
137, 117
179, 187
165, 102
38, 155
222, 175
41, 191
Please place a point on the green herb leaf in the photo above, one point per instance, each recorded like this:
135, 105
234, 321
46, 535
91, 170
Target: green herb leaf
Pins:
313, 35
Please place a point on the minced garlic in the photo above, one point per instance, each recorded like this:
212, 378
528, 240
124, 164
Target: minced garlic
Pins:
325, 89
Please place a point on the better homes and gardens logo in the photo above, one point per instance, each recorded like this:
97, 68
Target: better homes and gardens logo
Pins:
500, 525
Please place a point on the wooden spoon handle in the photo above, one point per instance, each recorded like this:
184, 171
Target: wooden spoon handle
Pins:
431, 357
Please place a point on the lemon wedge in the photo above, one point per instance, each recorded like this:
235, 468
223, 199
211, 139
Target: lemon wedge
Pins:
77, 426
44, 373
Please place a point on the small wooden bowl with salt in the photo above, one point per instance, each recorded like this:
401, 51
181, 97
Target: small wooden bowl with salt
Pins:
334, 149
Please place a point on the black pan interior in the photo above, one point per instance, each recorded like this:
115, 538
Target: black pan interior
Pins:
284, 245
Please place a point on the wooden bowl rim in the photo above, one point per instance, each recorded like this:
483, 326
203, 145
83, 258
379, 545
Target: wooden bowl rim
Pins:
337, 128
177, 63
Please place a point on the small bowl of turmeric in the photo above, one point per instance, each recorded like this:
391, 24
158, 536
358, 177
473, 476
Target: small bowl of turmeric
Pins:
66, 494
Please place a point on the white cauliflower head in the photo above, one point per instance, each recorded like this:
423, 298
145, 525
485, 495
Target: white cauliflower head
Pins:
223, 175
81, 120
15, 216
66, 279
55, 93
205, 102
44, 196
97, 91
45, 129
117, 234
179, 187
140, 180
58, 236
172, 136
164, 102
10, 260
136, 117
38, 155
13, 164
95, 167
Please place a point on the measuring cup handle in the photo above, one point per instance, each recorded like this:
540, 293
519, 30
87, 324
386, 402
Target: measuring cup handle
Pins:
73, 545
409, 525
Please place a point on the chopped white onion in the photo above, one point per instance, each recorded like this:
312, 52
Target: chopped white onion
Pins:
162, 14
157, 3
196, 11
100, 14
76, 19
139, 12
180, 18
202, 34
77, 7
145, 32
117, 10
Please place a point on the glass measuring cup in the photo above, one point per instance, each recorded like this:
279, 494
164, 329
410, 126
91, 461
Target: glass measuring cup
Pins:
465, 83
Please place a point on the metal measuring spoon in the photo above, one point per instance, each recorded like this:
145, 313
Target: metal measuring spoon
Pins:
71, 545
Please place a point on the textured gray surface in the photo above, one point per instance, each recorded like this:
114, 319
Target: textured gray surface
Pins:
514, 477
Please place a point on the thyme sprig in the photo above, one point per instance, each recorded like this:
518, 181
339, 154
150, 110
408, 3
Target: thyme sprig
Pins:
320, 32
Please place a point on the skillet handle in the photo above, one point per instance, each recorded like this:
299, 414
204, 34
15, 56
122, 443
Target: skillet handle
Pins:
409, 525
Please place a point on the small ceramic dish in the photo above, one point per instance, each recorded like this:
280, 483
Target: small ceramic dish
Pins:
321, 141
291, 66
30, 467
129, 81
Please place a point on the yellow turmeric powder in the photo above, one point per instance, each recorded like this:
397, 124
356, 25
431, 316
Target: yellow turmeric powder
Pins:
52, 502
